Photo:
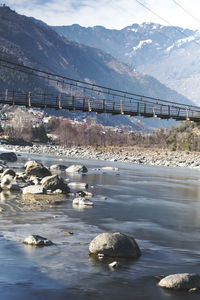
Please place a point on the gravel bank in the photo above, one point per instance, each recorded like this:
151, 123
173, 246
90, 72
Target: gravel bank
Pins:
151, 157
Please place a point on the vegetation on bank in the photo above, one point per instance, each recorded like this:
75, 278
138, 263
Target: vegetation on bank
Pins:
26, 127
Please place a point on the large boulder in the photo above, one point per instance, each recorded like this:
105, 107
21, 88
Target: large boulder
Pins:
33, 189
37, 240
36, 169
8, 156
114, 245
76, 169
182, 281
55, 182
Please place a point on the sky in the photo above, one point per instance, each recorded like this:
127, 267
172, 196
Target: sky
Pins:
113, 14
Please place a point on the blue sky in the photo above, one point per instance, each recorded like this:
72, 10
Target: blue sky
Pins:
109, 13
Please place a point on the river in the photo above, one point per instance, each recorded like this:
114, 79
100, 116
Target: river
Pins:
158, 206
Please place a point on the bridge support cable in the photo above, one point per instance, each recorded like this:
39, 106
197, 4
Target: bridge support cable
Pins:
86, 96
78, 84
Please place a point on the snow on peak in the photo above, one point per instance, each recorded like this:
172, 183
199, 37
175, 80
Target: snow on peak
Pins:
141, 43
180, 42
133, 29
152, 25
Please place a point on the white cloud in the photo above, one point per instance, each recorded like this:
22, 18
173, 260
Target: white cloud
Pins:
109, 13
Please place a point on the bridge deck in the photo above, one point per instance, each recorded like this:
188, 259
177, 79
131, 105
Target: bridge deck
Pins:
91, 104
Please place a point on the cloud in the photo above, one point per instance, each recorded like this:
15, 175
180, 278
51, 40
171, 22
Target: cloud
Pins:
109, 13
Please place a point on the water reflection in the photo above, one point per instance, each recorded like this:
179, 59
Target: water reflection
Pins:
81, 208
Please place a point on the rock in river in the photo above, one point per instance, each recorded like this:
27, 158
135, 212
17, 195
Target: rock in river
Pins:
36, 169
57, 167
37, 240
8, 156
8, 172
114, 265
55, 182
34, 189
82, 202
8, 183
77, 169
182, 281
114, 245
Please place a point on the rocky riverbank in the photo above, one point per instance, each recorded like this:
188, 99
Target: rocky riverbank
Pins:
152, 157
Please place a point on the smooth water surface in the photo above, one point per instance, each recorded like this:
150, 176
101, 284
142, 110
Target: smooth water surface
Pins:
159, 207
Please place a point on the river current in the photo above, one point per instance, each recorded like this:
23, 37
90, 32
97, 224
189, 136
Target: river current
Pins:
159, 207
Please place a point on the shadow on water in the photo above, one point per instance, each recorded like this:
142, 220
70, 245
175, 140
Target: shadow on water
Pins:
20, 279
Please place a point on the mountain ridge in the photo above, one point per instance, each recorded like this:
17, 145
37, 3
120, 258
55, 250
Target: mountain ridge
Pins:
37, 45
168, 53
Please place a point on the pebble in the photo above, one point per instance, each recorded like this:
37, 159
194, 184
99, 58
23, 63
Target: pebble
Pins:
114, 265
153, 157
68, 233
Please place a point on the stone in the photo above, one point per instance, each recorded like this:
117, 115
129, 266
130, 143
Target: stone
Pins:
114, 245
193, 290
37, 240
101, 256
37, 170
55, 182
78, 185
83, 194
57, 167
15, 187
109, 169
76, 169
82, 202
30, 163
58, 191
80, 194
34, 180
8, 183
8, 156
114, 265
8, 172
181, 281
34, 189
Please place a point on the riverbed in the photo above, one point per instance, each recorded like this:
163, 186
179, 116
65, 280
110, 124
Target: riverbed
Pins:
158, 206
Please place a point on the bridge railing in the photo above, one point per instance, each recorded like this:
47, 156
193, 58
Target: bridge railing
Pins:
116, 105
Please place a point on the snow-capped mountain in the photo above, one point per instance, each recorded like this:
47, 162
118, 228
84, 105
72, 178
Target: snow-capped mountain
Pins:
170, 54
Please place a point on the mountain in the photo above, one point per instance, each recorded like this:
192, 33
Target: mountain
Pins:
25, 40
170, 54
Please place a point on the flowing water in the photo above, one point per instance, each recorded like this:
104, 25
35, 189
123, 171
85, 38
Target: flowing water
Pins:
159, 207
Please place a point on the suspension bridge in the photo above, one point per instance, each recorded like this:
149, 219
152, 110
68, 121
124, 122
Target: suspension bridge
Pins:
88, 97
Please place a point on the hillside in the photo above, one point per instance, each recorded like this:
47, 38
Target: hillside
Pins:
32, 43
170, 54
